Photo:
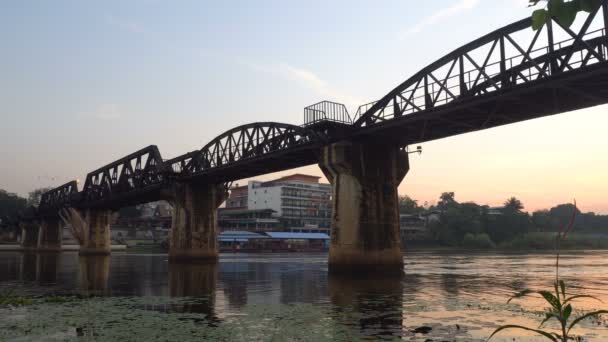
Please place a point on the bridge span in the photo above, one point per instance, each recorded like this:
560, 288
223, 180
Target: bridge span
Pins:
507, 76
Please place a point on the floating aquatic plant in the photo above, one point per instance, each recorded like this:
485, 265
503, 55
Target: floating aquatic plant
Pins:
7, 298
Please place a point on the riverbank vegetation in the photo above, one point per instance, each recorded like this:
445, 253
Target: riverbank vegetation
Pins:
473, 226
11, 205
8, 298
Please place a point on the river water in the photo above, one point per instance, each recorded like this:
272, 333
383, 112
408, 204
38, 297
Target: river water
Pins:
289, 297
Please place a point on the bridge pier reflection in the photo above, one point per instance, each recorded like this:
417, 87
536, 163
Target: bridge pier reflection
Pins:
94, 273
29, 267
378, 301
193, 226
194, 280
41, 268
365, 219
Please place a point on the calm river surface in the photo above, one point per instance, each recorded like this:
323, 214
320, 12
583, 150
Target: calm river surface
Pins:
288, 297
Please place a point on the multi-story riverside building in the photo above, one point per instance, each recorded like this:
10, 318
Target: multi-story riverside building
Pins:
296, 203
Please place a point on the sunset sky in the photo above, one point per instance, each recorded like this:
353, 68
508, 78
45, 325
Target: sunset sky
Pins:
85, 83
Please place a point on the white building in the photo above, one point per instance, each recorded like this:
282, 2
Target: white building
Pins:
300, 202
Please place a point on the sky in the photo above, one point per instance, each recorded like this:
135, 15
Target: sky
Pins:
86, 82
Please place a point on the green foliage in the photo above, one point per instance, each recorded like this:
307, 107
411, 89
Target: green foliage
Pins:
541, 220
552, 220
510, 227
10, 203
546, 241
446, 201
513, 205
456, 221
539, 18
407, 205
7, 298
507, 226
56, 299
478, 241
560, 309
459, 219
563, 11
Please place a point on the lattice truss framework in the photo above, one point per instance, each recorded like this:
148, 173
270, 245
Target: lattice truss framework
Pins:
506, 58
60, 195
242, 143
139, 170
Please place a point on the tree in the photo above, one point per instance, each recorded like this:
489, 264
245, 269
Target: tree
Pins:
407, 205
561, 213
511, 223
10, 204
34, 196
513, 205
508, 225
446, 200
563, 11
541, 220
457, 220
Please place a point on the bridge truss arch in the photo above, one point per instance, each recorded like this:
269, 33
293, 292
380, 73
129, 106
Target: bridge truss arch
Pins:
123, 180
507, 58
59, 197
260, 141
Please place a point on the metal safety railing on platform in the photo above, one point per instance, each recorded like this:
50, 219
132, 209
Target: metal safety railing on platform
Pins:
326, 111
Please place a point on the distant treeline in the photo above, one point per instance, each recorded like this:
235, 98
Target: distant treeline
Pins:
11, 204
479, 226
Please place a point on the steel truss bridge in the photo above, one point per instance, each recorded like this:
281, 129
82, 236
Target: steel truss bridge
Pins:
507, 76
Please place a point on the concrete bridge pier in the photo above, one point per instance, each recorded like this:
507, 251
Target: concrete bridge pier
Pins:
365, 221
194, 224
29, 236
91, 227
49, 236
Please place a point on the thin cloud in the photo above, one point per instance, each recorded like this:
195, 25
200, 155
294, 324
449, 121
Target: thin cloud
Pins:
304, 77
105, 112
312, 81
124, 24
444, 13
301, 76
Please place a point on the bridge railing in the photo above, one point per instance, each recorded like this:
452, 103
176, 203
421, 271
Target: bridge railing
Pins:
505, 58
326, 111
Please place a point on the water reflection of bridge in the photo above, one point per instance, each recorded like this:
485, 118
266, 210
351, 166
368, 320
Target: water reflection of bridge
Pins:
507, 76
